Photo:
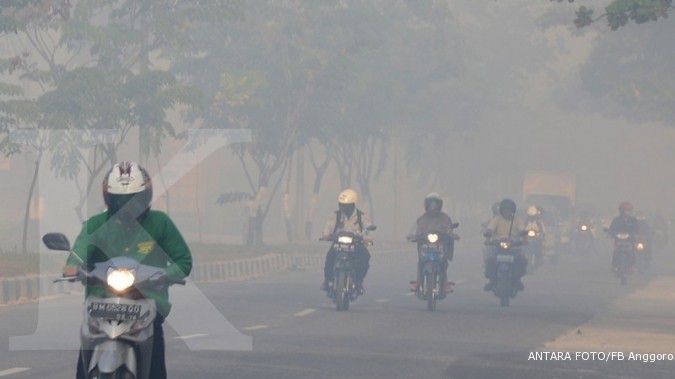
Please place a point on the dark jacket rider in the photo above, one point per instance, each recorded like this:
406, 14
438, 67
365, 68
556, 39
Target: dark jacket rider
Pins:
434, 220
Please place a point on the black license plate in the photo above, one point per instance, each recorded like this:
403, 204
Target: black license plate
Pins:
121, 312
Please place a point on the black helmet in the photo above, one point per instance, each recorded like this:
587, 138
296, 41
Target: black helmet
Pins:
433, 202
507, 206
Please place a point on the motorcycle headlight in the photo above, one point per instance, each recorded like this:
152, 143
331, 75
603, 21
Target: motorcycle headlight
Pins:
120, 279
345, 240
623, 236
504, 245
584, 228
640, 246
432, 237
531, 233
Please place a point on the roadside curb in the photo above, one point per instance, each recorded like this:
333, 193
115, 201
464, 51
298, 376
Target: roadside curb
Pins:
29, 288
245, 269
24, 289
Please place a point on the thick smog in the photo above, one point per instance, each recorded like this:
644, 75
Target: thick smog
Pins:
337, 189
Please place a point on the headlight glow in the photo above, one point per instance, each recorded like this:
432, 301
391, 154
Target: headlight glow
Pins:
120, 279
531, 233
623, 236
640, 246
345, 240
504, 245
432, 237
584, 228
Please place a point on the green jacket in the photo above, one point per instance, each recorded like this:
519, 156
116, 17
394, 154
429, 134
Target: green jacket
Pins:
156, 243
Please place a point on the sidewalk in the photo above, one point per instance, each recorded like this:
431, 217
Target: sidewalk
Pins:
635, 323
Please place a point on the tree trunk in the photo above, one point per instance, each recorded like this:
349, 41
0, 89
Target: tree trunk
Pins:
255, 230
31, 191
299, 193
286, 205
320, 172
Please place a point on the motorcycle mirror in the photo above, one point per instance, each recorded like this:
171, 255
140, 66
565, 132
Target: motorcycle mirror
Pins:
56, 241
371, 228
455, 225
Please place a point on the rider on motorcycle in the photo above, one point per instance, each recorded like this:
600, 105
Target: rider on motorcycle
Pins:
623, 223
534, 218
130, 228
646, 235
434, 220
505, 226
347, 218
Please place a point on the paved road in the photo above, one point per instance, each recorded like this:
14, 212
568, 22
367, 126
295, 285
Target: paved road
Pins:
387, 333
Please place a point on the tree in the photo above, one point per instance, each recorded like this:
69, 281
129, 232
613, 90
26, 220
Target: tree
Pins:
619, 12
92, 65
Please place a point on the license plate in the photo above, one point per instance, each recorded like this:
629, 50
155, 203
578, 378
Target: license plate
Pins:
505, 258
110, 311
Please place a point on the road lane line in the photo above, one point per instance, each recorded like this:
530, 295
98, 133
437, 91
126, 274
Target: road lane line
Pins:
382, 301
14, 370
408, 294
255, 327
305, 312
191, 336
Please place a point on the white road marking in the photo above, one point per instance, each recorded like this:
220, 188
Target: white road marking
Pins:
305, 312
14, 370
409, 294
382, 300
255, 327
191, 336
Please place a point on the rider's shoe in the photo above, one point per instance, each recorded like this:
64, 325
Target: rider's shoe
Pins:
489, 286
359, 289
449, 287
414, 286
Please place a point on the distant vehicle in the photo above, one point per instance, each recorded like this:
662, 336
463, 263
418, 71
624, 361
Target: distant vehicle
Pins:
555, 192
584, 238
534, 249
625, 246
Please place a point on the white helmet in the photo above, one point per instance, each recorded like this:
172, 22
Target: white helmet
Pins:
124, 181
532, 211
348, 196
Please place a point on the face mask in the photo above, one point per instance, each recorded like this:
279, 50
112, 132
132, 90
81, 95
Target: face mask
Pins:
126, 207
347, 209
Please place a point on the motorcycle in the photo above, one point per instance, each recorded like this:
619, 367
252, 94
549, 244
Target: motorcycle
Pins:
624, 255
642, 255
432, 253
343, 289
534, 248
506, 251
584, 240
117, 332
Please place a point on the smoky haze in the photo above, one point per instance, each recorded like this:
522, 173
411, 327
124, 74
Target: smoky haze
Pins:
303, 99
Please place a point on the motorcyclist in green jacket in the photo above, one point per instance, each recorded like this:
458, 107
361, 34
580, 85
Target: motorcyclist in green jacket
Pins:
130, 228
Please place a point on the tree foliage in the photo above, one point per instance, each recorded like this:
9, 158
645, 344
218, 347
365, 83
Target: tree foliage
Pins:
619, 12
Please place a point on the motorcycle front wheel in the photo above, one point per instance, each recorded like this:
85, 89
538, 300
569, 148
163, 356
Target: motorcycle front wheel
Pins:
342, 284
430, 283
